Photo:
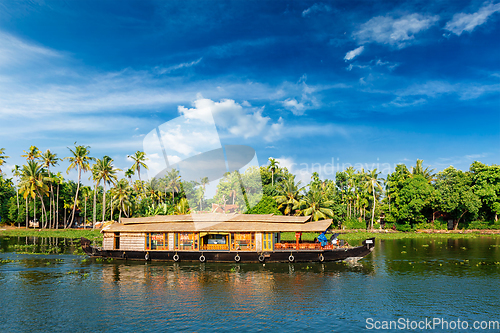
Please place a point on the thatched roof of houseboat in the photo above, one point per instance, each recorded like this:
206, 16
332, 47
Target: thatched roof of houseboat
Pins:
219, 223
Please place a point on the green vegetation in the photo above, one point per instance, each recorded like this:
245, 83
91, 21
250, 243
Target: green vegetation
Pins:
64, 233
362, 235
407, 200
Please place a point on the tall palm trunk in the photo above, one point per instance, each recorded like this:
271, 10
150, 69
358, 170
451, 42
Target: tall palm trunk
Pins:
104, 202
85, 214
94, 211
34, 212
76, 196
57, 209
374, 202
17, 196
27, 214
44, 212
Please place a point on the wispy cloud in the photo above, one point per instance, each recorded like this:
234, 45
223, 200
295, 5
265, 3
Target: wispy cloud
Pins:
317, 7
399, 32
300, 104
468, 22
163, 70
354, 53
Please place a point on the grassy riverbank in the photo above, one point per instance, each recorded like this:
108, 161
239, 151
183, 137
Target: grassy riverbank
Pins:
60, 233
349, 235
354, 235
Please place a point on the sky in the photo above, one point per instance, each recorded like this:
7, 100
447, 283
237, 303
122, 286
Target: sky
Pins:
318, 85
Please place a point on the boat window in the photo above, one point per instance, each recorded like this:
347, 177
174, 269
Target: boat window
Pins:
186, 241
243, 241
156, 241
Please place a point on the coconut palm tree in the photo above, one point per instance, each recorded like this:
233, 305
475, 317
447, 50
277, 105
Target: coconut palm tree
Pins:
139, 158
419, 170
173, 182
49, 159
80, 161
103, 170
121, 197
273, 165
289, 194
182, 208
32, 154
129, 173
316, 203
203, 182
16, 172
33, 183
86, 191
373, 182
58, 179
2, 157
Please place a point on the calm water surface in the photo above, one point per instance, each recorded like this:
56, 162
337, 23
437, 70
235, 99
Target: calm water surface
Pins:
414, 279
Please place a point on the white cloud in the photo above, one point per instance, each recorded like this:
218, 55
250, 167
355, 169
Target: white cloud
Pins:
399, 32
465, 91
169, 69
14, 51
317, 7
238, 120
354, 53
468, 22
299, 104
402, 102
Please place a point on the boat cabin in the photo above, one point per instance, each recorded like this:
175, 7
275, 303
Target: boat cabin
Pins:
211, 232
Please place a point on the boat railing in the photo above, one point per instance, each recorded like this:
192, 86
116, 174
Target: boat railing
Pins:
302, 246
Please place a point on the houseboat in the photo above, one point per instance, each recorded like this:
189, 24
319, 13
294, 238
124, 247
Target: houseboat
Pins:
219, 237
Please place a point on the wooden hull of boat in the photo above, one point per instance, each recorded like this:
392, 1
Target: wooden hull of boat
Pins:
234, 256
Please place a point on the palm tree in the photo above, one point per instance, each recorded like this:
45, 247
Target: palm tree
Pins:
139, 158
316, 204
419, 170
2, 157
59, 179
33, 183
80, 161
173, 182
121, 197
273, 165
129, 173
182, 208
351, 186
372, 182
85, 192
32, 154
203, 182
289, 194
49, 159
16, 172
103, 170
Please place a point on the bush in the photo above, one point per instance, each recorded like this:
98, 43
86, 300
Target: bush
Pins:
403, 227
354, 224
388, 225
266, 205
483, 225
437, 225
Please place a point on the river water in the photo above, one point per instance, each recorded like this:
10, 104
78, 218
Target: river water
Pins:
405, 281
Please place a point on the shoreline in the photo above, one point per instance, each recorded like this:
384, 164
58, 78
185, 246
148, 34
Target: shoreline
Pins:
351, 234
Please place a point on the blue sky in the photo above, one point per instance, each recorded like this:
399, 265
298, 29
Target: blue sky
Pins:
364, 83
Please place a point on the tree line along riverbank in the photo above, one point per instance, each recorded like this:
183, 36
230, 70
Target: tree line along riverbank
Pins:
407, 199
350, 235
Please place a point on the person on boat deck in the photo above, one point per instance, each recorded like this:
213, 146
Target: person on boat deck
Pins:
334, 240
322, 238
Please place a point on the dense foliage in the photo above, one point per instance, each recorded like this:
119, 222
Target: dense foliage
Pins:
356, 199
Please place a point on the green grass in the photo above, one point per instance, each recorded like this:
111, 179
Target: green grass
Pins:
361, 235
62, 233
